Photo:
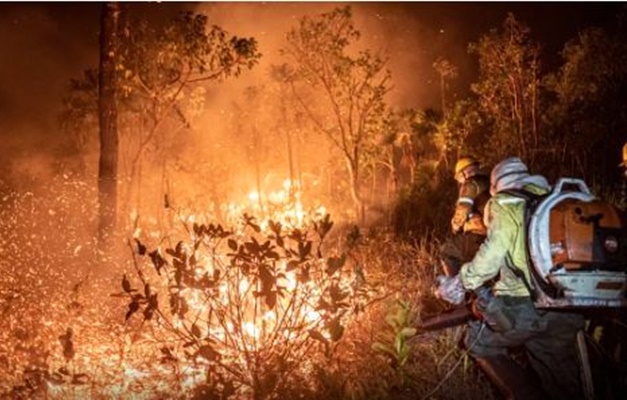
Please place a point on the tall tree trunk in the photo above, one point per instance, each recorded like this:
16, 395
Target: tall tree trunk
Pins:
353, 173
108, 164
257, 161
294, 186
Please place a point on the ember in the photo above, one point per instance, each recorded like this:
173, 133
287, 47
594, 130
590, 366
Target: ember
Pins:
171, 172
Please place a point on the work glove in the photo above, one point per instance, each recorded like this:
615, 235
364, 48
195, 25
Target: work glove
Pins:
450, 289
456, 226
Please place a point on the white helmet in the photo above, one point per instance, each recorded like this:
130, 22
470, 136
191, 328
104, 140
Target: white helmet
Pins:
506, 172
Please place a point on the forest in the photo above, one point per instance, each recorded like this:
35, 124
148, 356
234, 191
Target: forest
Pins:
196, 237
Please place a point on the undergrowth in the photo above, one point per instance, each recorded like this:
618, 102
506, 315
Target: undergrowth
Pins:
63, 336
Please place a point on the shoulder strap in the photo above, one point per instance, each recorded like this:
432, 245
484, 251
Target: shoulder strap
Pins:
531, 199
478, 188
531, 202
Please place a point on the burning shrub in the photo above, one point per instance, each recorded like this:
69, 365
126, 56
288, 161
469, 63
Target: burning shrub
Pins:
260, 310
245, 312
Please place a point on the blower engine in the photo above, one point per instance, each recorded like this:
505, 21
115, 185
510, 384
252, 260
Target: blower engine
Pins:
578, 248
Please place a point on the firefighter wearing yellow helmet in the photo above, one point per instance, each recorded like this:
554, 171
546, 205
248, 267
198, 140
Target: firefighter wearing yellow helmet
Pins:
467, 222
511, 319
472, 198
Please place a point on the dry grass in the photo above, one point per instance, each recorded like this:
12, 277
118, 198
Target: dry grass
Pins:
52, 280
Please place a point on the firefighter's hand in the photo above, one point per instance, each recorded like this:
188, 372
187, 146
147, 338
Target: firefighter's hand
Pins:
450, 289
456, 227
460, 217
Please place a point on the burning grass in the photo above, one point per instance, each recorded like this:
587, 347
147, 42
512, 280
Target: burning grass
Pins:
260, 309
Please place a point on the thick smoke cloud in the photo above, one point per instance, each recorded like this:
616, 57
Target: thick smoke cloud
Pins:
385, 28
43, 45
40, 52
410, 45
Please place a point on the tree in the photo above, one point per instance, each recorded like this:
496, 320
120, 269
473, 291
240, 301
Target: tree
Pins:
418, 143
447, 71
108, 164
280, 75
508, 87
588, 117
259, 147
162, 73
349, 106
165, 68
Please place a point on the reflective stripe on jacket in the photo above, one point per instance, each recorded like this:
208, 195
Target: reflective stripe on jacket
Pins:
472, 198
503, 249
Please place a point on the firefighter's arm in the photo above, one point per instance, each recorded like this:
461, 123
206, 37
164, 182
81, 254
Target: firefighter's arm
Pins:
463, 209
465, 205
493, 251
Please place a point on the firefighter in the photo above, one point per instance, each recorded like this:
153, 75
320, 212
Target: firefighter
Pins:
467, 222
510, 319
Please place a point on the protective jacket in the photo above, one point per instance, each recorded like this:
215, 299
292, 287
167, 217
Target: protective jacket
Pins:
503, 252
473, 196
511, 319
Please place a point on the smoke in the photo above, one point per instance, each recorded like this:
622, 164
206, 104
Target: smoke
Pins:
410, 41
41, 50
410, 44
385, 28
43, 45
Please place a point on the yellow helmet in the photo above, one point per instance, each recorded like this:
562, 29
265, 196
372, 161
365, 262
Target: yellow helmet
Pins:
464, 163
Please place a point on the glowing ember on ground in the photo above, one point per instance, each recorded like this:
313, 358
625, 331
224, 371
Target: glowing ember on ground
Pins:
224, 305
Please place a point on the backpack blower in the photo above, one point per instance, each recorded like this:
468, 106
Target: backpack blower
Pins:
577, 245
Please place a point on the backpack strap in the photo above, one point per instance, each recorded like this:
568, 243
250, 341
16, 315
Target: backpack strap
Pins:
531, 202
